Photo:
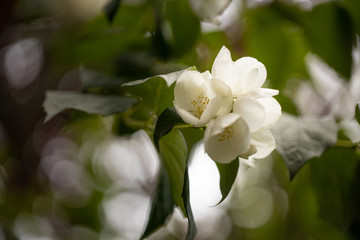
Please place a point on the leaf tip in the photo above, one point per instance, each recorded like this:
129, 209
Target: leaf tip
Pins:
110, 9
357, 112
292, 175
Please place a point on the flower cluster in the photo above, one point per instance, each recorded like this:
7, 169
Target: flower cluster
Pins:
230, 102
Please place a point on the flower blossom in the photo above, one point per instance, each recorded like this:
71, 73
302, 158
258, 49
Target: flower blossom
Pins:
196, 101
237, 111
330, 95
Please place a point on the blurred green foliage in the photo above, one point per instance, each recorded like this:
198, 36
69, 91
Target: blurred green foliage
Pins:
134, 41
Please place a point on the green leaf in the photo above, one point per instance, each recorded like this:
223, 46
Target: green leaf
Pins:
328, 29
111, 9
173, 152
185, 26
192, 136
157, 92
298, 140
110, 48
56, 102
162, 204
357, 112
335, 177
353, 7
90, 78
228, 173
166, 121
192, 229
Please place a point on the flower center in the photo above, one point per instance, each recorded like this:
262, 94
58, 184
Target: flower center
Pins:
199, 106
226, 134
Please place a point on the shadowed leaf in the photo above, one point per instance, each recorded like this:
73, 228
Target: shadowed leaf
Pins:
162, 205
111, 9
90, 78
228, 173
192, 229
298, 140
357, 112
166, 121
56, 102
329, 26
157, 92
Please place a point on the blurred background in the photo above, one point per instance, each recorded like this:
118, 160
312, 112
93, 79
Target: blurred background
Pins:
81, 176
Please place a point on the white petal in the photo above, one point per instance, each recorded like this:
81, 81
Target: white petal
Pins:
262, 93
195, 99
227, 72
263, 138
272, 111
251, 111
251, 151
219, 124
352, 129
250, 162
189, 86
263, 152
326, 80
254, 72
224, 54
264, 142
309, 102
210, 111
186, 115
224, 147
225, 69
220, 87
224, 90
206, 75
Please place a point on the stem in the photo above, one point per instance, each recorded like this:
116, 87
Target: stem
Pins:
131, 122
135, 123
346, 143
183, 126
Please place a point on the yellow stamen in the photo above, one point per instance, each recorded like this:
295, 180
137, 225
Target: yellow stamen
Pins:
199, 105
226, 134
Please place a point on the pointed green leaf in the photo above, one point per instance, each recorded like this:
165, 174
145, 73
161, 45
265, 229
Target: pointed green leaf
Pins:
157, 92
173, 152
56, 102
111, 9
192, 229
166, 121
162, 204
228, 173
298, 140
357, 112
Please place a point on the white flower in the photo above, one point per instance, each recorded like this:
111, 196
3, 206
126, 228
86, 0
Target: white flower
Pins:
260, 115
245, 132
238, 112
255, 109
196, 101
244, 76
227, 137
209, 9
331, 95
